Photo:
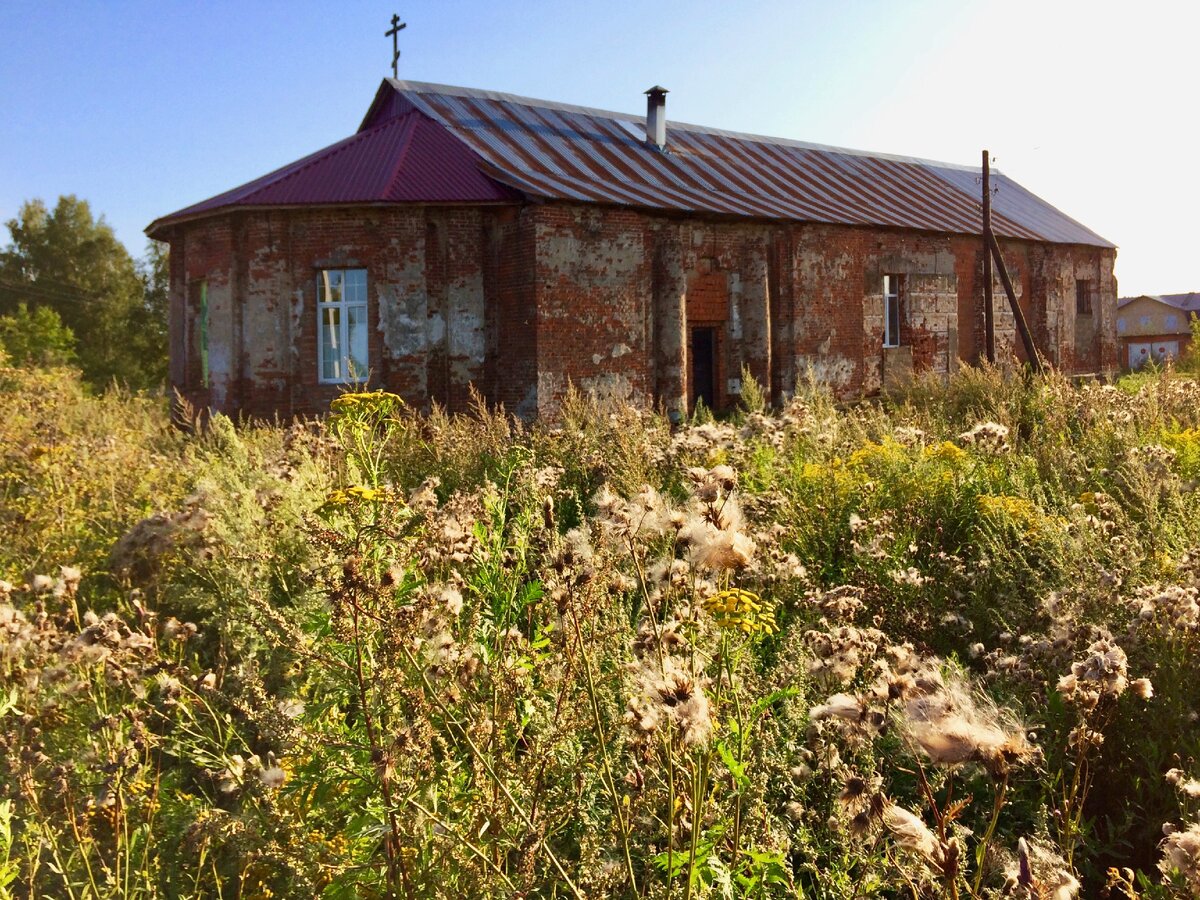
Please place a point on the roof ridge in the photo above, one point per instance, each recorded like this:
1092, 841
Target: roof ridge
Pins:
402, 153
428, 87
313, 159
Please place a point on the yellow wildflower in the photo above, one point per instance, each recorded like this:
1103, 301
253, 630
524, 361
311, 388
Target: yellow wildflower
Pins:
741, 611
380, 403
946, 451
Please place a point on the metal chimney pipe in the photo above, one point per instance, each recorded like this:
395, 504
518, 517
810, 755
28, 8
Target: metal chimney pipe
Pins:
656, 117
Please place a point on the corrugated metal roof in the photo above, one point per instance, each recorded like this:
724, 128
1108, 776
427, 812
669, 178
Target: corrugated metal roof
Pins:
436, 143
1189, 302
407, 158
559, 151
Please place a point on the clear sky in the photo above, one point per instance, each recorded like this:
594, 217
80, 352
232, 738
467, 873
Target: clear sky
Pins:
145, 107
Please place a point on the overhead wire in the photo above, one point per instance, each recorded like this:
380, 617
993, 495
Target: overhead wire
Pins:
35, 290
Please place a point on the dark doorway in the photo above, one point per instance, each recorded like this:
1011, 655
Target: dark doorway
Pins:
704, 366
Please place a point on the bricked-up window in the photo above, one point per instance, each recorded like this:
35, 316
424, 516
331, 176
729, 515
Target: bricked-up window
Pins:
1083, 297
891, 310
203, 319
342, 325
199, 334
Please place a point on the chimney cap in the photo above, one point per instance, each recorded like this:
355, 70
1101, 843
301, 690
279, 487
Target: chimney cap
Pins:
657, 91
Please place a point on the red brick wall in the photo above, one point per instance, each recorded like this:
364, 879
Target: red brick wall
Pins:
708, 307
523, 301
435, 274
593, 280
510, 372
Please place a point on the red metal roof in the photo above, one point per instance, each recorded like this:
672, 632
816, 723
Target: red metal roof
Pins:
434, 143
404, 159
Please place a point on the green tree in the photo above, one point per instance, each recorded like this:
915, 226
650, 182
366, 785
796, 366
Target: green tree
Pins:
151, 337
36, 337
69, 261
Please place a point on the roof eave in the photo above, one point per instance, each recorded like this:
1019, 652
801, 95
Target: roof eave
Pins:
159, 225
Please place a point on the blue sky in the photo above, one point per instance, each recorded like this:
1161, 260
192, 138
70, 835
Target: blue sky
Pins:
143, 108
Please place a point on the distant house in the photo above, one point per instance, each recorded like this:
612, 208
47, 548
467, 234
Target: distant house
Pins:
1155, 327
470, 239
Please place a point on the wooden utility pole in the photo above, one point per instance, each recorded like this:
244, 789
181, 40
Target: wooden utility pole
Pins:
991, 253
989, 313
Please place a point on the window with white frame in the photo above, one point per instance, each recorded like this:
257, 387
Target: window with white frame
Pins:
891, 310
342, 325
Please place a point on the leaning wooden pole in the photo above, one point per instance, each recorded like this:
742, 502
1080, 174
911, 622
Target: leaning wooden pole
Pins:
991, 252
1035, 361
989, 316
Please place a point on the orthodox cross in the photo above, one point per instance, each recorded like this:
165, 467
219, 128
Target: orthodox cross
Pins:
394, 33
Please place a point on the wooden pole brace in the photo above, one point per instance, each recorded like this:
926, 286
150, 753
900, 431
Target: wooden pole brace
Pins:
1035, 361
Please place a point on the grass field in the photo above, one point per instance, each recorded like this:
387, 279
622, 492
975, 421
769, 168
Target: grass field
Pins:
942, 646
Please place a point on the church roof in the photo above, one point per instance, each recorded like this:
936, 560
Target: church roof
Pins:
406, 158
555, 151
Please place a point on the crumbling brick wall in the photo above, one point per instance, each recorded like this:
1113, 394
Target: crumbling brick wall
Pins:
446, 288
520, 301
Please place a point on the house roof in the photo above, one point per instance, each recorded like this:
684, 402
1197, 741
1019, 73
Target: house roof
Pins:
555, 151
1189, 302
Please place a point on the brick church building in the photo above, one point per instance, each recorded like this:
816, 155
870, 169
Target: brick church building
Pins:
464, 237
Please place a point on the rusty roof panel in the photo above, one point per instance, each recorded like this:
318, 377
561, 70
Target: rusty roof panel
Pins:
434, 143
559, 151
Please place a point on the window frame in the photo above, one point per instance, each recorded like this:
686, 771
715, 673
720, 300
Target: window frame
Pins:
1084, 299
343, 306
893, 289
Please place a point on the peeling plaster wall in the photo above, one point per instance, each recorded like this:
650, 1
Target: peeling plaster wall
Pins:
1079, 342
1043, 278
618, 292
427, 303
202, 256
790, 301
594, 287
266, 358
669, 321
523, 301
829, 325
928, 309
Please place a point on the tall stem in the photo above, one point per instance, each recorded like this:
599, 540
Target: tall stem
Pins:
608, 775
695, 836
395, 859
482, 759
741, 749
981, 851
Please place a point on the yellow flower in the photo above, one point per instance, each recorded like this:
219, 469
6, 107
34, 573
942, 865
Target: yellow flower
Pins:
870, 453
741, 611
1021, 513
367, 403
946, 451
357, 493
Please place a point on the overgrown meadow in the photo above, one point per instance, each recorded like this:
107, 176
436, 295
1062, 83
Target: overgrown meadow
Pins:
944, 646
